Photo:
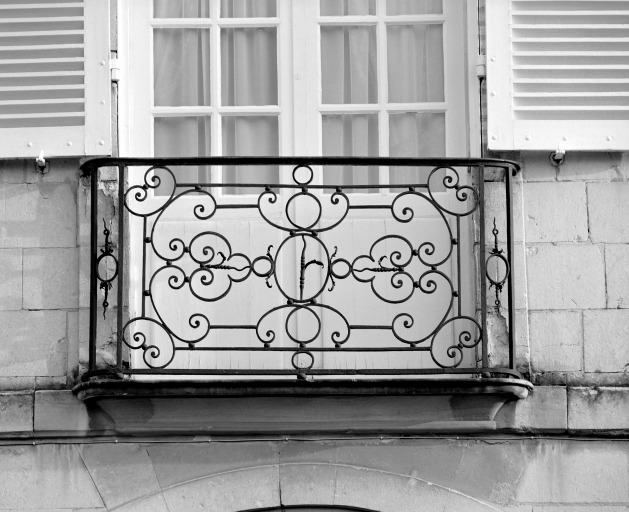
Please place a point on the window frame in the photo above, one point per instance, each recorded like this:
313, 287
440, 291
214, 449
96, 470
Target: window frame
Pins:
298, 101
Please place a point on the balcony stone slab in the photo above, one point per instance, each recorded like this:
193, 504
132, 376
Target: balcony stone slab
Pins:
241, 407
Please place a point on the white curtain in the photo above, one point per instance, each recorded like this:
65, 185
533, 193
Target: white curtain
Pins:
248, 78
349, 76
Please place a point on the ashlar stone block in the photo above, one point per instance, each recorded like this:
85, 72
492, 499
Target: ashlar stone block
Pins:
556, 341
606, 340
496, 207
536, 166
33, 343
598, 408
45, 477
10, 279
617, 275
608, 209
51, 278
565, 276
575, 473
122, 473
38, 215
544, 409
555, 212
16, 413
587, 166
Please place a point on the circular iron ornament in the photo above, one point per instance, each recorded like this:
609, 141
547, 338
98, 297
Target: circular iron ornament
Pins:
106, 283
310, 175
295, 310
268, 196
339, 274
302, 367
259, 261
499, 257
101, 258
284, 253
106, 252
338, 337
297, 198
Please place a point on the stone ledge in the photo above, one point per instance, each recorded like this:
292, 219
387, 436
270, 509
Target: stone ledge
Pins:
99, 388
435, 405
547, 410
603, 408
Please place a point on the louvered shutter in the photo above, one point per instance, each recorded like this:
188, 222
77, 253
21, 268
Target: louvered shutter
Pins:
558, 74
55, 92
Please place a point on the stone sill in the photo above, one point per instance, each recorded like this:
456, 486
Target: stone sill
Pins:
284, 407
548, 410
99, 388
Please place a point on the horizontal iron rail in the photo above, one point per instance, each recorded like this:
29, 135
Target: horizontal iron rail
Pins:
93, 163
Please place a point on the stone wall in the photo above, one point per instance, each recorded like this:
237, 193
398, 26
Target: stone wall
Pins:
572, 268
44, 265
449, 475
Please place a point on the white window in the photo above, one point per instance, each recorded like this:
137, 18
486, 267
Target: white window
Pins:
290, 77
360, 77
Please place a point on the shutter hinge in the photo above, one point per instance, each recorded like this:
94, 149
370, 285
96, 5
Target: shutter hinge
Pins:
114, 66
481, 66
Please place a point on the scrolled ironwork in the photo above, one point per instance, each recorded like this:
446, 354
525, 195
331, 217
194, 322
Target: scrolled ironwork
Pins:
195, 265
503, 269
106, 256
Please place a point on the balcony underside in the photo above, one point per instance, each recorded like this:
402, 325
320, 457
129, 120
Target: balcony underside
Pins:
274, 407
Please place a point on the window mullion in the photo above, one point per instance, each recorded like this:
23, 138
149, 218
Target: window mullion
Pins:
216, 143
383, 91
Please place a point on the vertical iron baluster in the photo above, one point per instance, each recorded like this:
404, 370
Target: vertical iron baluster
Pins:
94, 256
511, 293
121, 269
483, 269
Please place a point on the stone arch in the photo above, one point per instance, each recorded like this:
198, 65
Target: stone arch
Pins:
285, 486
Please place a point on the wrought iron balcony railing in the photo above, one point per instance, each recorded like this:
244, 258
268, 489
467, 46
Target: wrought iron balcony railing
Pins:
306, 275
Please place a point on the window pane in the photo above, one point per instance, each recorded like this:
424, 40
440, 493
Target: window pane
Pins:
248, 9
415, 134
348, 7
350, 135
415, 55
348, 69
250, 136
182, 67
396, 7
249, 66
181, 8
184, 137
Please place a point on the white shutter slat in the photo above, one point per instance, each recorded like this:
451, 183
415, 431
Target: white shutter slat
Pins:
47, 20
54, 79
42, 115
11, 7
33, 33
558, 74
27, 88
32, 74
